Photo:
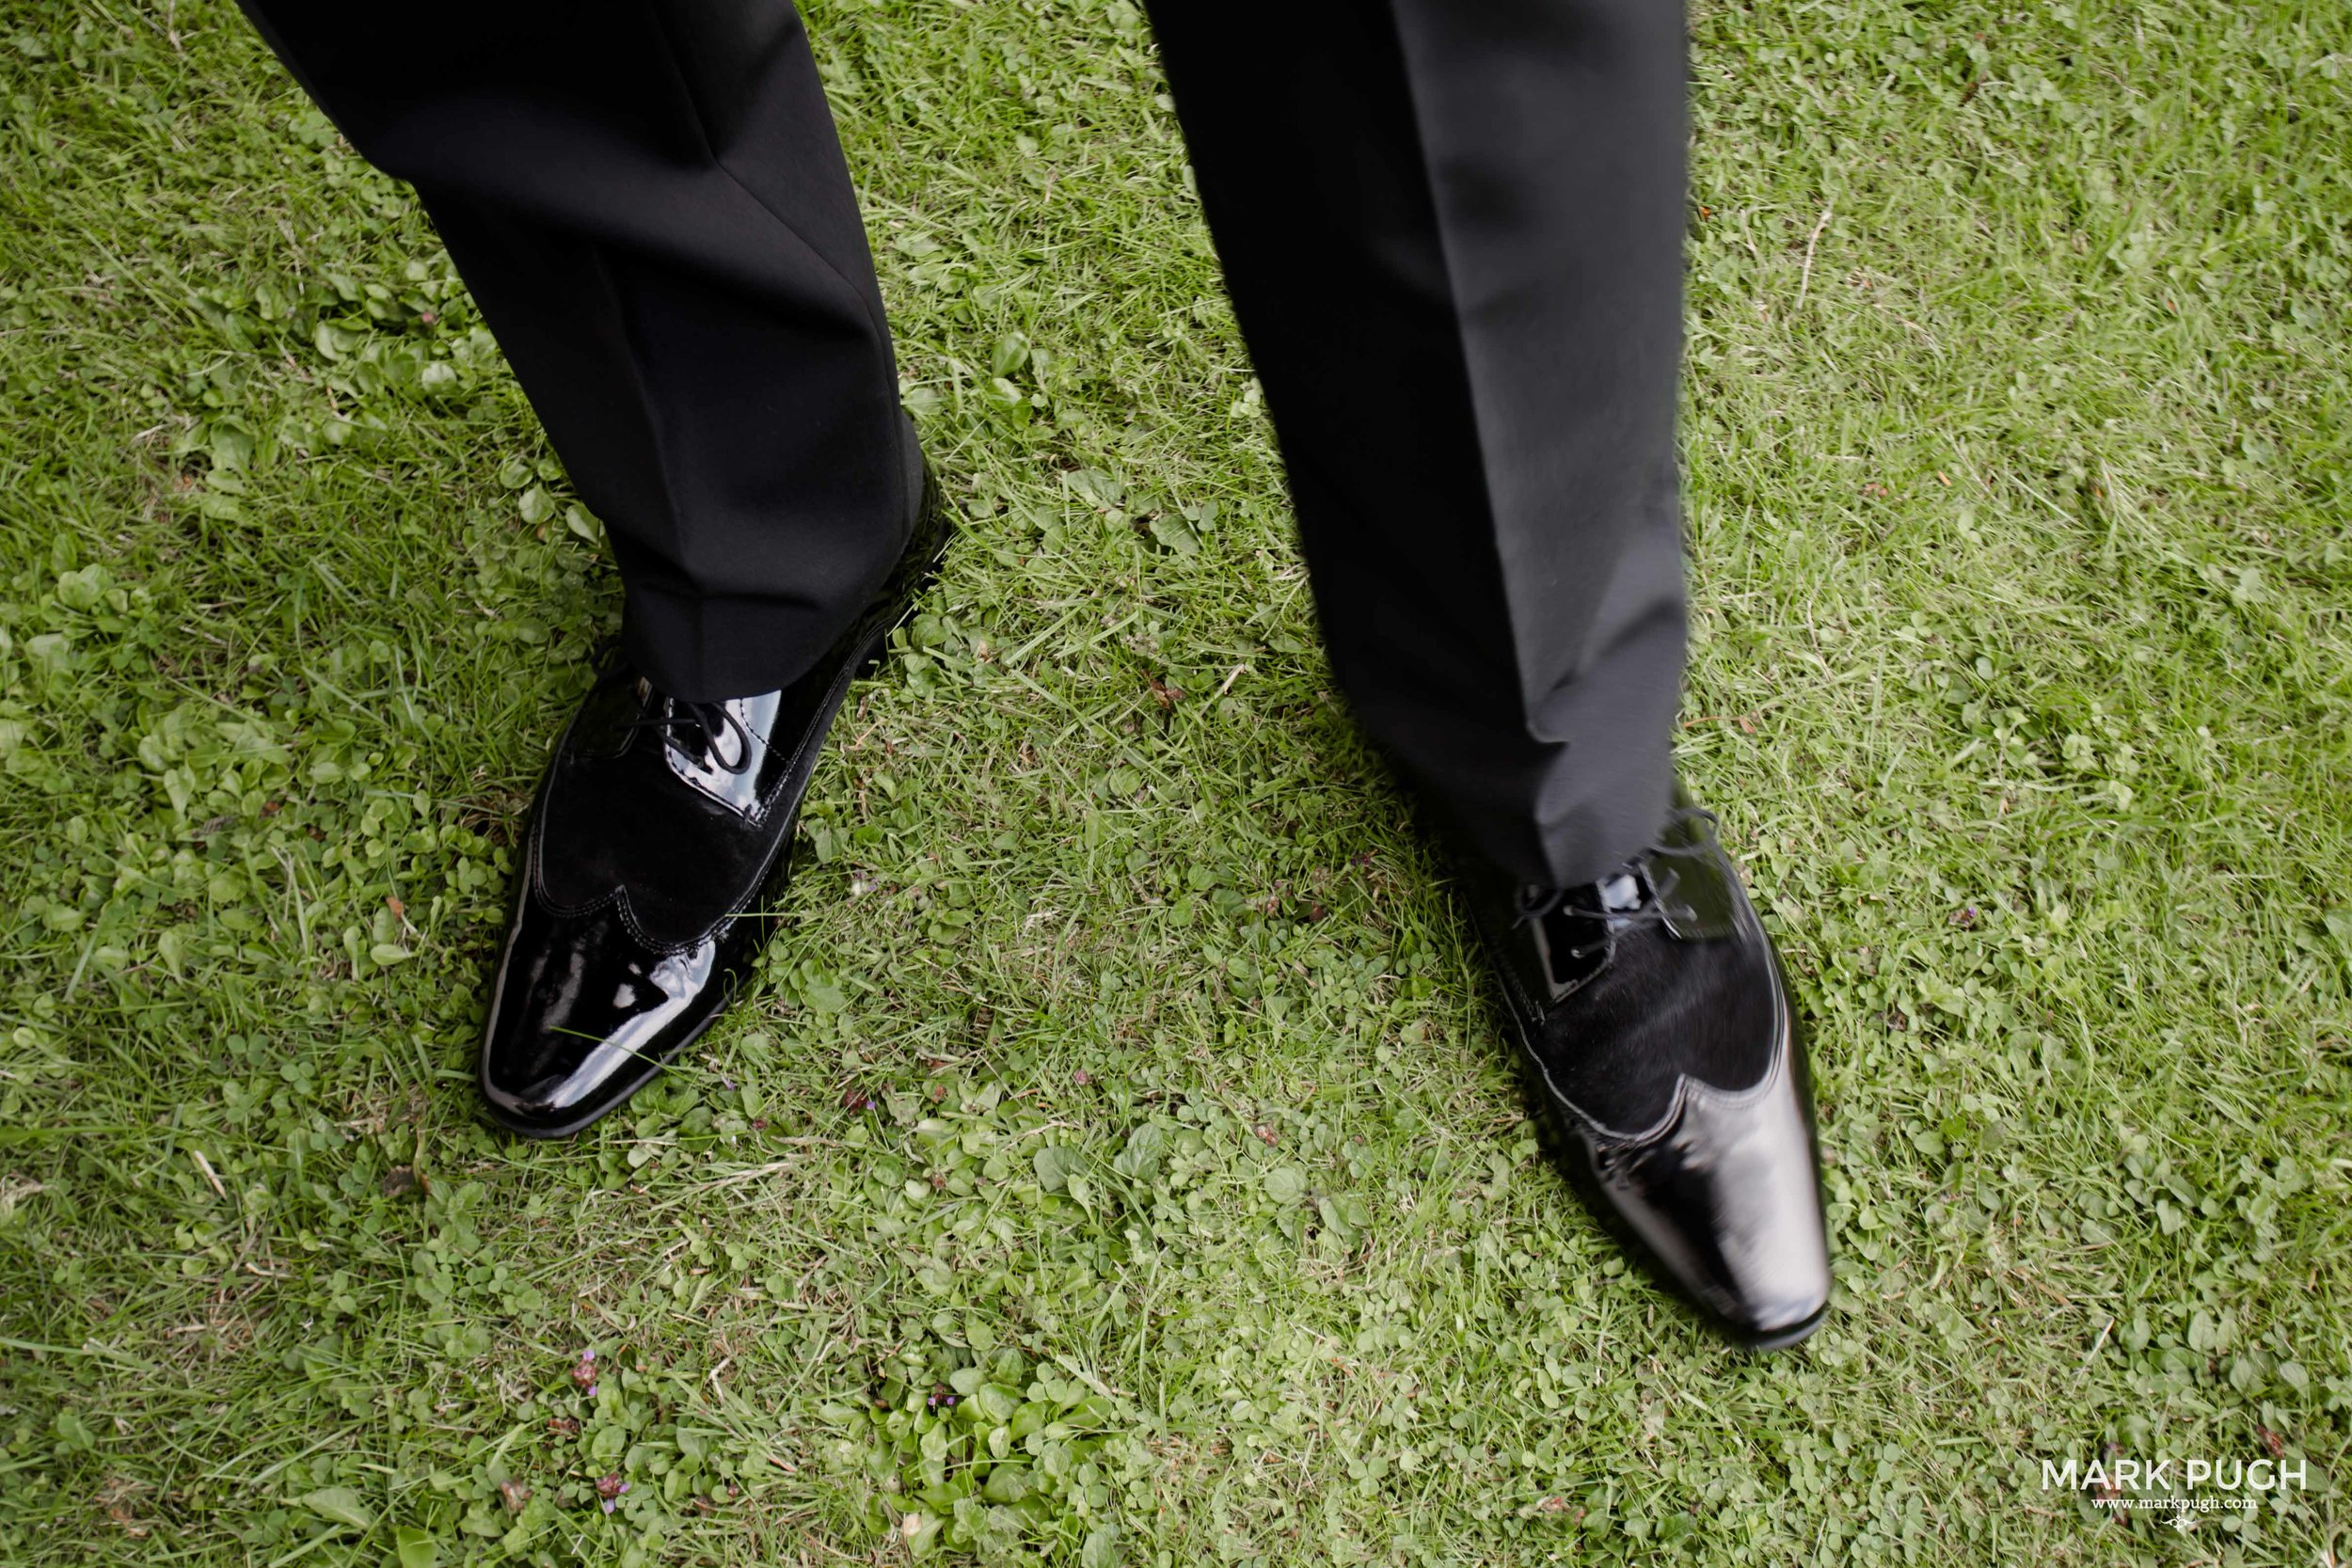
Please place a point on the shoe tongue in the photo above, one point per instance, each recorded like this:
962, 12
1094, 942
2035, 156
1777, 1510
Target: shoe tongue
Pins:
1621, 894
1576, 923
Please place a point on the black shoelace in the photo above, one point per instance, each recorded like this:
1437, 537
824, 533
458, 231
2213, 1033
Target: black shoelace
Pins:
693, 727
1538, 903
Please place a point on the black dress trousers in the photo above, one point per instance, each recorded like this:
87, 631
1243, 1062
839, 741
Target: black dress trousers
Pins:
1452, 231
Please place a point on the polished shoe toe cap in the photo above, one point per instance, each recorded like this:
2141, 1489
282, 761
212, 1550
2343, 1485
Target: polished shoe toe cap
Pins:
1725, 1197
584, 1012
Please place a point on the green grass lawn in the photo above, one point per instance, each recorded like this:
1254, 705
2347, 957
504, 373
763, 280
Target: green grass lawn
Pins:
1123, 1068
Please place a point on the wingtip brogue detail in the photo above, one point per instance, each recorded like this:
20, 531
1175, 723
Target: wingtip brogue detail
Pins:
1739, 1163
1665, 1056
659, 840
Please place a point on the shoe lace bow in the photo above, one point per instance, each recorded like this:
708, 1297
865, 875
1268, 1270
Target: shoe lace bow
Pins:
693, 727
1653, 887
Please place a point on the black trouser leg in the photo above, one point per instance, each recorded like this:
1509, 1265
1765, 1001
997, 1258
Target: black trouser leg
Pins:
1452, 231
648, 201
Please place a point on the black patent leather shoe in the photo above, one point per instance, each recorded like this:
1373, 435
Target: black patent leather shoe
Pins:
1661, 1050
661, 838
